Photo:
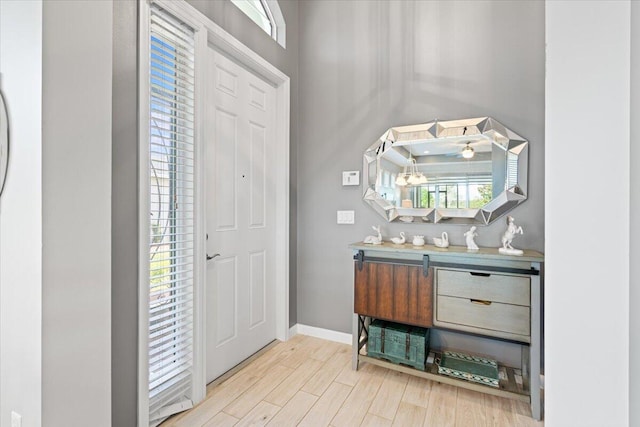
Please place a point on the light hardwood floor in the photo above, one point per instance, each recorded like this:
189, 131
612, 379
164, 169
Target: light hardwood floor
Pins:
309, 382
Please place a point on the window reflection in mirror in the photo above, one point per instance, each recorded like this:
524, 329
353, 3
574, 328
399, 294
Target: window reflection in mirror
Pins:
464, 194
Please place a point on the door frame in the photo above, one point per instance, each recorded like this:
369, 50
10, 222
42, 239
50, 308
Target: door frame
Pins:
246, 57
208, 34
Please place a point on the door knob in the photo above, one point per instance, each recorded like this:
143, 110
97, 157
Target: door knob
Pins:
210, 257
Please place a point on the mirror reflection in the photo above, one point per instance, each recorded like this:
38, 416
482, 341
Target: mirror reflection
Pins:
461, 171
4, 142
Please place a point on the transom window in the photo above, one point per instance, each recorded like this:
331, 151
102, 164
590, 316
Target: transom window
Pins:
267, 15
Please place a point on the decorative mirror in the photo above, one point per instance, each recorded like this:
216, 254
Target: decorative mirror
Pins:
469, 171
4, 142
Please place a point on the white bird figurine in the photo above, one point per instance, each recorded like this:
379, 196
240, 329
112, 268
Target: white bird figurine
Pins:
442, 242
399, 240
374, 240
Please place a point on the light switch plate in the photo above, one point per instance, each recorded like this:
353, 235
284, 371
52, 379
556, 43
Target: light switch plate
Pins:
346, 217
351, 178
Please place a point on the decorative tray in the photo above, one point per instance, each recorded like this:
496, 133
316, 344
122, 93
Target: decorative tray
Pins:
471, 368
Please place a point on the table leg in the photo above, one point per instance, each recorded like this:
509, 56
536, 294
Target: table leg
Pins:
535, 347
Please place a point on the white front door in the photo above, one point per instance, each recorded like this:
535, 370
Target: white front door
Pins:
240, 139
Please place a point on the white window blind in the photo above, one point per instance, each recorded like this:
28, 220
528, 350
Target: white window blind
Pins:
171, 191
467, 179
512, 170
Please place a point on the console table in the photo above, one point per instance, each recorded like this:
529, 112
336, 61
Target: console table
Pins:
485, 293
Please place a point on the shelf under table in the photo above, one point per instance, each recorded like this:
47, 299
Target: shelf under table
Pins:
508, 387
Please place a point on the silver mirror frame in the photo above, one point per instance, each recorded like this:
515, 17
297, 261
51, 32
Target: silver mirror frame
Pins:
4, 142
515, 147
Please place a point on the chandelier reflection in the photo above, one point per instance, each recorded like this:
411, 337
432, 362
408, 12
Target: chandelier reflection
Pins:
413, 177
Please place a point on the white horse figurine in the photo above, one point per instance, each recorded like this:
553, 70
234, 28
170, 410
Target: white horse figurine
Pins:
374, 240
508, 236
399, 240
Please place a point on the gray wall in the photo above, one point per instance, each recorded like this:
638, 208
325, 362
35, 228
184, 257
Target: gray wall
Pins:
124, 268
587, 277
21, 215
634, 250
76, 206
367, 66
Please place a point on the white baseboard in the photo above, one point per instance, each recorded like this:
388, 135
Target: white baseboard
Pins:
325, 334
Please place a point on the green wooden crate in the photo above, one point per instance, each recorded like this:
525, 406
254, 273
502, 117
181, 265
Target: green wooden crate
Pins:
398, 343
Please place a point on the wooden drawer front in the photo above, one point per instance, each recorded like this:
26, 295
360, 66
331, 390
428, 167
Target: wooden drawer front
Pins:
399, 293
513, 319
484, 286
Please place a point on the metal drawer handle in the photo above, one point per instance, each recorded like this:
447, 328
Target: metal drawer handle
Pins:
479, 301
475, 273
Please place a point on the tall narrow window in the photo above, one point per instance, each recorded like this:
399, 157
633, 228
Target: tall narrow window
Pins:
171, 221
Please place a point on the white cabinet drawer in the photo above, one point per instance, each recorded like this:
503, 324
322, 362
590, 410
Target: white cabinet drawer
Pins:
487, 318
484, 286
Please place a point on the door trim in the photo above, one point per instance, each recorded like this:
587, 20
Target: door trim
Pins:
208, 33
